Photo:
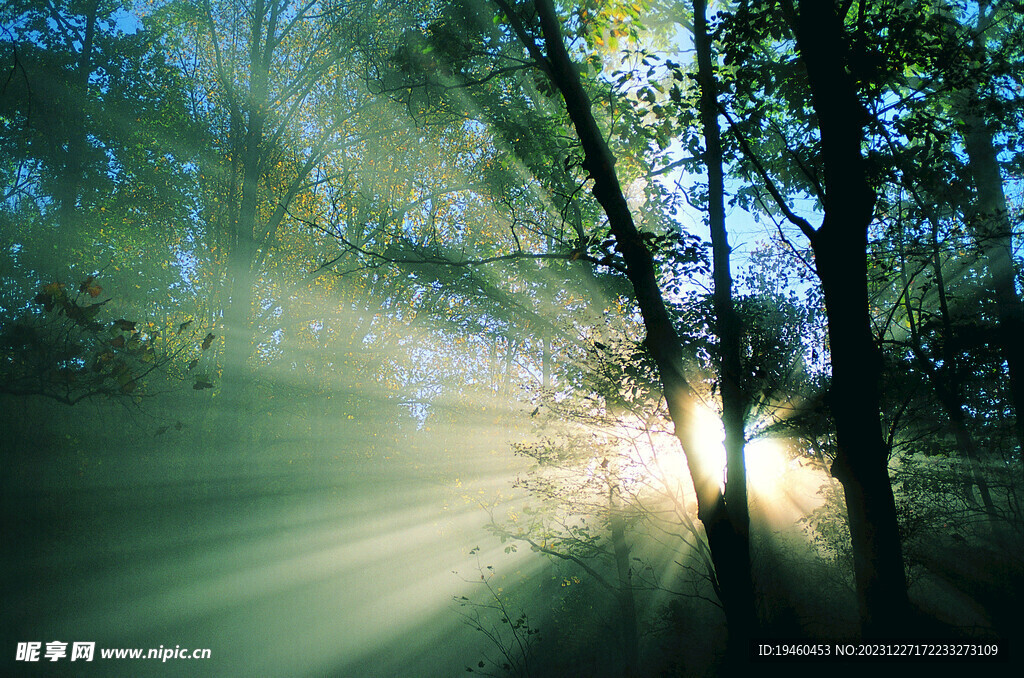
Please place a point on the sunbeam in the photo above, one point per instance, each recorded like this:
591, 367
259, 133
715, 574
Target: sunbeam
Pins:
375, 338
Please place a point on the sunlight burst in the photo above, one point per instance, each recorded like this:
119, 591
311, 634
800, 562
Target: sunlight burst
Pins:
766, 466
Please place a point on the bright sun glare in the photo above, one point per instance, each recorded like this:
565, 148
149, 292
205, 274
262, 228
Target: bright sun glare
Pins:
765, 459
658, 458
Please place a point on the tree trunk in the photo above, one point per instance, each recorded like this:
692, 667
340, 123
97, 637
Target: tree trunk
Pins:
626, 600
727, 327
248, 127
68, 220
991, 227
840, 249
945, 380
727, 547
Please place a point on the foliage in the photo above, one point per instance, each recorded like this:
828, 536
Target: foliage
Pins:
59, 349
515, 639
373, 222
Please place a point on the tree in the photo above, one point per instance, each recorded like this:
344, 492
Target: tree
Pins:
990, 213
839, 244
93, 119
840, 248
61, 63
275, 88
59, 349
735, 402
633, 254
727, 545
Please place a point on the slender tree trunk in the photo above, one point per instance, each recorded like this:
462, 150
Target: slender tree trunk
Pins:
727, 327
68, 219
991, 226
946, 388
239, 329
626, 599
505, 383
990, 220
545, 362
727, 547
840, 249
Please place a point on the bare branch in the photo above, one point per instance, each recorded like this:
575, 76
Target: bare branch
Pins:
798, 221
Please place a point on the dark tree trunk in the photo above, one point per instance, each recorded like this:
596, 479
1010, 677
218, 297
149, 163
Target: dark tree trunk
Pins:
727, 327
727, 547
626, 599
840, 249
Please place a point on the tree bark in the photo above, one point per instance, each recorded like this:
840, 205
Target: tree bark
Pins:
840, 249
727, 547
727, 327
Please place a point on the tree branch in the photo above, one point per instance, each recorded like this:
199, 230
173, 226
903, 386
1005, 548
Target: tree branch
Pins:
798, 221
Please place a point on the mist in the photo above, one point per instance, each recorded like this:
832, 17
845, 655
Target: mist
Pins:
322, 350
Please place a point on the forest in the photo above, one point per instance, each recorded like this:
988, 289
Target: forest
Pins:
514, 338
